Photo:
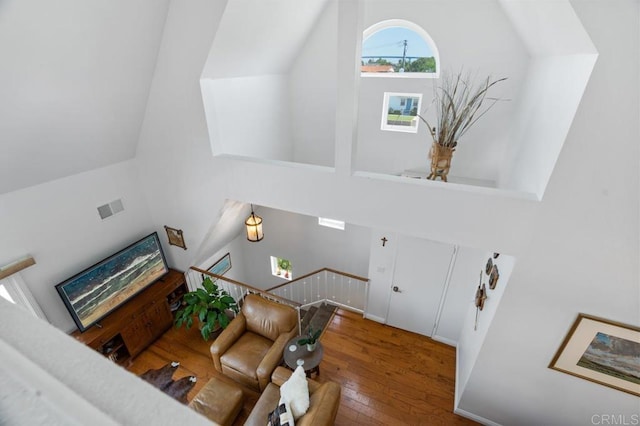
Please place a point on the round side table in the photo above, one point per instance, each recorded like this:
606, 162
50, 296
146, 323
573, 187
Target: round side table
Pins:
295, 355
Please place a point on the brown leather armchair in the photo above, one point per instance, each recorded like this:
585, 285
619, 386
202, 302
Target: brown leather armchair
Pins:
324, 401
251, 346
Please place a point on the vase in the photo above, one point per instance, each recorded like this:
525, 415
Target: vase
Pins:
311, 347
440, 161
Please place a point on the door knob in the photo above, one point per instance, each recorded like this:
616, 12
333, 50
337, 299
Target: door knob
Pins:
396, 289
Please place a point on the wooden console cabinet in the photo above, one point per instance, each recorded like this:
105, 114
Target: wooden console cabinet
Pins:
127, 331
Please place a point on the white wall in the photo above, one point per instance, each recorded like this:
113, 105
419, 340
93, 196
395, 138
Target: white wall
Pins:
472, 334
306, 244
251, 116
259, 38
59, 225
474, 46
75, 79
462, 284
562, 59
313, 91
583, 257
181, 181
239, 264
547, 104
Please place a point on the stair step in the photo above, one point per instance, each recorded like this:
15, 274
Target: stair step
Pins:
306, 319
319, 318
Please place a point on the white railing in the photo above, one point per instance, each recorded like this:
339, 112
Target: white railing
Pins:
235, 289
326, 285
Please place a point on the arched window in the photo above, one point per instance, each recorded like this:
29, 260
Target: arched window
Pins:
398, 48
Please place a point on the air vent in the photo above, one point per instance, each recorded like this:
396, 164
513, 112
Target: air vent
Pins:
110, 209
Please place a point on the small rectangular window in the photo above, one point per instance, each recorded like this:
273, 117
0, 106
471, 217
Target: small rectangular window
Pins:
5, 294
281, 268
331, 223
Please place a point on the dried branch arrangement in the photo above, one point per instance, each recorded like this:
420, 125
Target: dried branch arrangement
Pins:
459, 104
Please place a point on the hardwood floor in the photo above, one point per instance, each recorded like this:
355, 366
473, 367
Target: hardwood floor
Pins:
387, 375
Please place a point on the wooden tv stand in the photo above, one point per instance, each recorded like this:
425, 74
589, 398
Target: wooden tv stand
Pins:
127, 331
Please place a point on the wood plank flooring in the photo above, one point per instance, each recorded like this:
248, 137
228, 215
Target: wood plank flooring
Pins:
387, 375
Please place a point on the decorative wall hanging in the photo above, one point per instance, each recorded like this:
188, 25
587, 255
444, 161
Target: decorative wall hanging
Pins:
176, 238
495, 255
221, 266
481, 296
611, 357
489, 266
493, 277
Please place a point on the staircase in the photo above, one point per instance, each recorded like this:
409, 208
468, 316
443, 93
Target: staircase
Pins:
315, 296
316, 316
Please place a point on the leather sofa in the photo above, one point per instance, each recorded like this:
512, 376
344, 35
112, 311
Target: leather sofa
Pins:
251, 346
323, 405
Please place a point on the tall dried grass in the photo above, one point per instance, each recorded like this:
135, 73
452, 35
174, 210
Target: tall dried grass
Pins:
459, 104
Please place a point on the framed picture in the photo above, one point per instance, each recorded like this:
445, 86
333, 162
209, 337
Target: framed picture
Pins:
175, 237
603, 352
400, 112
221, 266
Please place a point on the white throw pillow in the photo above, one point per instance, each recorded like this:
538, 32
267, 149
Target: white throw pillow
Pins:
296, 392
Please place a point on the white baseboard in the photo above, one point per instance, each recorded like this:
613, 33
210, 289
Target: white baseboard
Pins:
456, 396
375, 318
473, 417
444, 340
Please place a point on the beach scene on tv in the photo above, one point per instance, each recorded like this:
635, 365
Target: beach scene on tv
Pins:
99, 290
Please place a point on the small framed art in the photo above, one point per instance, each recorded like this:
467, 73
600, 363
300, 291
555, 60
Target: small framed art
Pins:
601, 351
221, 266
176, 238
400, 112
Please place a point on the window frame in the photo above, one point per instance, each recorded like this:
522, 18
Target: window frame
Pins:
390, 23
17, 289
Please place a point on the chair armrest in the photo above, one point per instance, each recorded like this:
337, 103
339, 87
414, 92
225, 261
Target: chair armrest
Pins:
227, 338
280, 375
273, 358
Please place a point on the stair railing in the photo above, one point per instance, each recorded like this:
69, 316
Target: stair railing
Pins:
236, 289
329, 286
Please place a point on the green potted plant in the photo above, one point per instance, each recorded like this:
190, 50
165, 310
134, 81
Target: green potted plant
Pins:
209, 305
284, 265
310, 339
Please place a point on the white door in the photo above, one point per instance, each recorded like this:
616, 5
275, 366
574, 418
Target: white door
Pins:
418, 281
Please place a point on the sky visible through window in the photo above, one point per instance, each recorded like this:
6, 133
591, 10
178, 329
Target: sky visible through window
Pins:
390, 42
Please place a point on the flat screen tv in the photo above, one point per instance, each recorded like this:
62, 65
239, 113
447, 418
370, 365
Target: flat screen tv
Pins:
102, 288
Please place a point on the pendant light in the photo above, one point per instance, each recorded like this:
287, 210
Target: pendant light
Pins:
254, 227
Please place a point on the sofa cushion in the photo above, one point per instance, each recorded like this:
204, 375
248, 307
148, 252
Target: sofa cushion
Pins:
295, 392
247, 353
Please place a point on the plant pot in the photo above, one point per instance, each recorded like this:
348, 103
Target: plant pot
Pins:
440, 161
311, 347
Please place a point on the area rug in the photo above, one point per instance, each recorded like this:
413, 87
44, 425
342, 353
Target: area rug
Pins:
162, 378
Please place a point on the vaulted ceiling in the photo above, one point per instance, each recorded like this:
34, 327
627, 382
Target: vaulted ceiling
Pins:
74, 83
75, 79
